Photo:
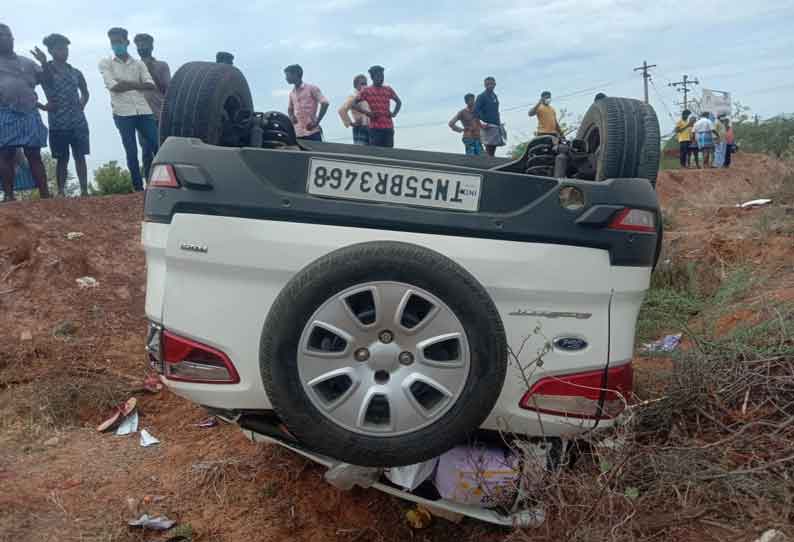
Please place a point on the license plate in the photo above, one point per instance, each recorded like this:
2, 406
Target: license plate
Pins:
392, 184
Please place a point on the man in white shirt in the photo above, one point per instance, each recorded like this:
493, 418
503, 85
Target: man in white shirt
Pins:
127, 79
704, 135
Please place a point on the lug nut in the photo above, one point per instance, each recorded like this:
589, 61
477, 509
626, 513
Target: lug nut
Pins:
362, 354
406, 358
386, 336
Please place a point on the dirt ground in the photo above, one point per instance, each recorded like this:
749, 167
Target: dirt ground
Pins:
68, 353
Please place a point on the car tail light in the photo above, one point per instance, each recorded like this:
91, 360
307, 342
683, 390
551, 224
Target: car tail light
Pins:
634, 220
578, 395
163, 176
190, 361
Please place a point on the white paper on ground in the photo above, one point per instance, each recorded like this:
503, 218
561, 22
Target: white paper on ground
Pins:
754, 203
147, 439
87, 282
159, 523
129, 425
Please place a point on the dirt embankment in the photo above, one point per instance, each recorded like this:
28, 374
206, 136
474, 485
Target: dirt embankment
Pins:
68, 353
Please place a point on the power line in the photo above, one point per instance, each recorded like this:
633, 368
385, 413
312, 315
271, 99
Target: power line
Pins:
646, 76
661, 99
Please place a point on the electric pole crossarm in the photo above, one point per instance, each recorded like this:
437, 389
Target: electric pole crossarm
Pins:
646, 76
683, 86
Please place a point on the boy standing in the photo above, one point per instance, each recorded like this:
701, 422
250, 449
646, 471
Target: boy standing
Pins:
360, 122
471, 126
379, 98
67, 96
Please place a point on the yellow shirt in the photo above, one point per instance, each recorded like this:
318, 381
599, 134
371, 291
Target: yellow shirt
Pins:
686, 130
547, 119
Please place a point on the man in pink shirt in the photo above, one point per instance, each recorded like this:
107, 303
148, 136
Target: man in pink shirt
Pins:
304, 100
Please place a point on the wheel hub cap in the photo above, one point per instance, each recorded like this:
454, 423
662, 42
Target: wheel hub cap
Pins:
383, 358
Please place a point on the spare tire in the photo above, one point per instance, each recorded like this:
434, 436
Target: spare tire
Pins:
623, 136
207, 101
383, 354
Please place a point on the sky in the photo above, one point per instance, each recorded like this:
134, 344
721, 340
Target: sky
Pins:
437, 51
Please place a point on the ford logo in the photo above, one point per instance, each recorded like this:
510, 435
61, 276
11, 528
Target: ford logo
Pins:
570, 344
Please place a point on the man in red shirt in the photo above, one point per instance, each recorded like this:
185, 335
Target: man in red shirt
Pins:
379, 96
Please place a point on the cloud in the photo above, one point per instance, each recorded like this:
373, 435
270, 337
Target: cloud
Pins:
340, 5
313, 44
412, 32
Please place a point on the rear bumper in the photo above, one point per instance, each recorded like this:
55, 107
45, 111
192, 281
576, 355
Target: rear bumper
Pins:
269, 184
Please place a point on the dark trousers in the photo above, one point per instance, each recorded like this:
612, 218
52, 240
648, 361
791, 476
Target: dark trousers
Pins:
316, 136
381, 137
728, 153
146, 126
683, 150
147, 153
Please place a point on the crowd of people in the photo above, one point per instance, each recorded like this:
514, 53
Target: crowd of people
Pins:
705, 135
137, 89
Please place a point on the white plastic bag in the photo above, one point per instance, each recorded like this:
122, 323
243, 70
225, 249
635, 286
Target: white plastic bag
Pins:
410, 477
344, 476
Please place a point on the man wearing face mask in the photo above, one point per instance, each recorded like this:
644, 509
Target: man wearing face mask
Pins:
127, 79
547, 116
161, 74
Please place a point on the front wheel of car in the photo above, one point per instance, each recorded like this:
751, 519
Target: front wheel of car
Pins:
383, 354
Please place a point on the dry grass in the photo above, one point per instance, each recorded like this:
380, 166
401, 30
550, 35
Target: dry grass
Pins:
711, 457
30, 411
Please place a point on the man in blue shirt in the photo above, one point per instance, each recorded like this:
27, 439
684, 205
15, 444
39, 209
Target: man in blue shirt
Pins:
67, 95
486, 108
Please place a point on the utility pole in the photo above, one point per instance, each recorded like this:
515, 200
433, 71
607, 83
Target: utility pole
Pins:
645, 76
683, 86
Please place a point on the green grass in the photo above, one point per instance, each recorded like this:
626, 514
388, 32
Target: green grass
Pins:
669, 162
681, 292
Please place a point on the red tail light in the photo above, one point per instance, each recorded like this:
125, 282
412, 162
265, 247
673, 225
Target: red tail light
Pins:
163, 176
634, 220
578, 395
190, 361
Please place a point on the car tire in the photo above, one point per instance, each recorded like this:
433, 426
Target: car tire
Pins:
208, 101
623, 136
651, 147
366, 272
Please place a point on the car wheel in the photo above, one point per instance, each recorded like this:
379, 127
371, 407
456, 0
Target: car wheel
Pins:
383, 354
622, 134
208, 101
651, 147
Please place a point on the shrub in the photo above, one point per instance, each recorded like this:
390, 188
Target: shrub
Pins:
110, 178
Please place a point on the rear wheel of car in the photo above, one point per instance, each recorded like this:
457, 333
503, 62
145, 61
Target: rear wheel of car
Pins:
208, 101
383, 354
622, 134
